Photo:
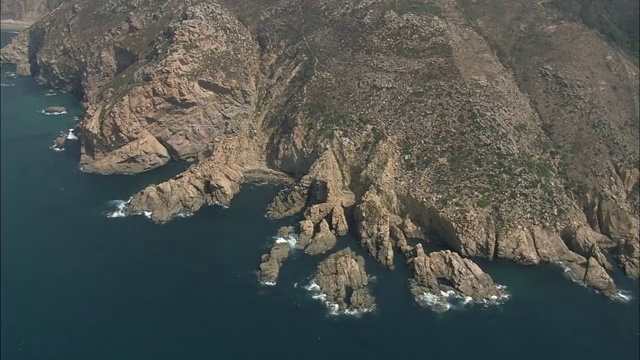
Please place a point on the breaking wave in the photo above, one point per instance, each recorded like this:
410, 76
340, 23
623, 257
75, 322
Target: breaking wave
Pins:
117, 208
54, 147
291, 240
624, 296
447, 300
71, 135
49, 113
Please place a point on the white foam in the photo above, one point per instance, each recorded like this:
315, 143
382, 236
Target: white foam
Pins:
624, 296
184, 214
334, 309
7, 84
71, 135
120, 206
147, 214
48, 113
291, 240
54, 147
50, 93
447, 300
75, 118
221, 205
268, 283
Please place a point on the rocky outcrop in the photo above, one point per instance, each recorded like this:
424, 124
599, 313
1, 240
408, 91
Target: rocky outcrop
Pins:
381, 112
54, 110
440, 275
342, 278
323, 241
271, 262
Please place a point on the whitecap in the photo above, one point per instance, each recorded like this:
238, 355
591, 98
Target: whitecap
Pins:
624, 296
184, 214
290, 239
71, 135
447, 300
54, 147
147, 214
119, 207
334, 309
268, 283
49, 113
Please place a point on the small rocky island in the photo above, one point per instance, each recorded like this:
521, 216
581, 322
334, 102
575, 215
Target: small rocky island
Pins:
54, 110
341, 282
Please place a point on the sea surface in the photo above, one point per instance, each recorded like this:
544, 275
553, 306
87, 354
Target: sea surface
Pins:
79, 285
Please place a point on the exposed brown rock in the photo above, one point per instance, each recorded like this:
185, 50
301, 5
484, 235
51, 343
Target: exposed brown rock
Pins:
493, 133
596, 277
60, 141
323, 241
271, 263
445, 271
343, 279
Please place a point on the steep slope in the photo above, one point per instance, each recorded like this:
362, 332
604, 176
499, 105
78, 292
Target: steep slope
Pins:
500, 129
27, 10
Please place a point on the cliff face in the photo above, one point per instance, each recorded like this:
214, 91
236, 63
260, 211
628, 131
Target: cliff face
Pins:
27, 10
500, 128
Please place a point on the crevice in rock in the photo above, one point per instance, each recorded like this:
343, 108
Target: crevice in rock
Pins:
124, 59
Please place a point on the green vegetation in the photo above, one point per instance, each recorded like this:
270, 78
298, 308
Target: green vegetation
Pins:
483, 203
617, 20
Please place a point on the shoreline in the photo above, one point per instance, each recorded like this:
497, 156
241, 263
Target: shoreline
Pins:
14, 26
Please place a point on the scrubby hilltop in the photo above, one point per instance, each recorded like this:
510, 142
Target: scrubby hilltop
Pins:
501, 129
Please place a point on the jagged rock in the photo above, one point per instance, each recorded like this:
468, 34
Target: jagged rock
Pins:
318, 212
445, 271
596, 277
588, 243
207, 183
411, 230
323, 241
629, 257
373, 228
457, 146
271, 263
338, 221
343, 279
617, 223
285, 231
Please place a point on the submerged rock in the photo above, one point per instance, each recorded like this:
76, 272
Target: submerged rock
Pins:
343, 279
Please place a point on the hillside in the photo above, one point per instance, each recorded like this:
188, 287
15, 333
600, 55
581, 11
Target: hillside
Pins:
501, 129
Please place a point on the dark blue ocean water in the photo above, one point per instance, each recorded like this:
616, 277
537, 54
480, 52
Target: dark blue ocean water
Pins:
77, 285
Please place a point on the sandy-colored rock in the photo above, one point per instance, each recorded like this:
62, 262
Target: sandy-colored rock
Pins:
343, 279
596, 277
427, 119
339, 221
271, 263
323, 241
445, 271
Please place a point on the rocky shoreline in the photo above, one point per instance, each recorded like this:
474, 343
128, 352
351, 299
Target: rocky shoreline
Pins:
10, 25
413, 140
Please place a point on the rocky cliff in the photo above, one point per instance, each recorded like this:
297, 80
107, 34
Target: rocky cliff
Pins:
27, 10
500, 130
